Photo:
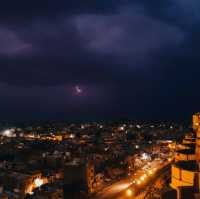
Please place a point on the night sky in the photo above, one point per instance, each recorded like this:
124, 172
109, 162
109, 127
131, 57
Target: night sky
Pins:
99, 59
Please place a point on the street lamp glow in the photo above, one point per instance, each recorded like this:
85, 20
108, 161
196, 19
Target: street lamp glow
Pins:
129, 192
145, 175
150, 172
138, 182
142, 178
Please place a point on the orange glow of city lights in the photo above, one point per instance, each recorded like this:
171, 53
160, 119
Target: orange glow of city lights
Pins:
150, 172
129, 192
138, 182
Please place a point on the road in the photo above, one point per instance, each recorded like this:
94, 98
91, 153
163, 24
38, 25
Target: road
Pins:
135, 184
114, 190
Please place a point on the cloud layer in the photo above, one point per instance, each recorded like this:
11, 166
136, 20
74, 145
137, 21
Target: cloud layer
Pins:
129, 52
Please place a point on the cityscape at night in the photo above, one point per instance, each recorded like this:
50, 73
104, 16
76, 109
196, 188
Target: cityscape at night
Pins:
94, 160
99, 99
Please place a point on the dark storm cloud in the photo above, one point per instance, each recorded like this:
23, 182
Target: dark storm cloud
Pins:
135, 53
128, 35
50, 61
84, 46
11, 44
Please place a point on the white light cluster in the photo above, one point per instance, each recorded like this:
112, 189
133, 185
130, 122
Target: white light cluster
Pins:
8, 133
38, 182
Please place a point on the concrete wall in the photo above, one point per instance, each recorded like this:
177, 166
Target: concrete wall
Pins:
181, 177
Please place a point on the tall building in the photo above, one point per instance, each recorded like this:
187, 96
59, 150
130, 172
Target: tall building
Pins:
196, 121
79, 177
185, 177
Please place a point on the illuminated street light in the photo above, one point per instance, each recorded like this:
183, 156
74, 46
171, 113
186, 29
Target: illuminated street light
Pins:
138, 182
71, 136
137, 146
129, 192
150, 172
121, 128
142, 178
